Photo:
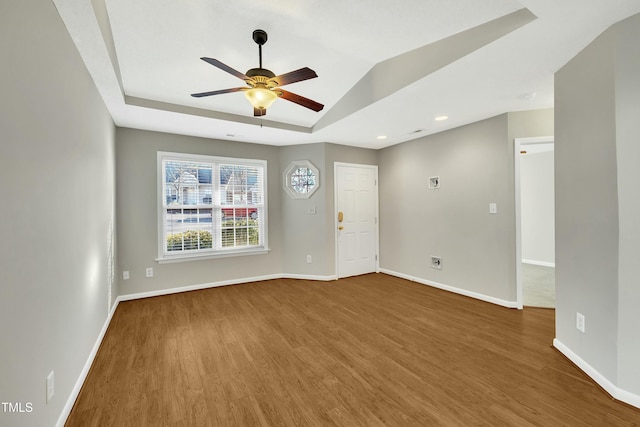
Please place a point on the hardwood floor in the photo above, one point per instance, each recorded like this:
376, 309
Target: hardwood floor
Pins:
365, 351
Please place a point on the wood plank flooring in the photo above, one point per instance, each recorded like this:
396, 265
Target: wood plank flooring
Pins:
370, 350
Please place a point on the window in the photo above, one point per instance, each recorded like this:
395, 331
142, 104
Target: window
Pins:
301, 179
210, 206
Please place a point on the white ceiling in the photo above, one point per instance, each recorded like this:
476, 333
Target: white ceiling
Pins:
385, 68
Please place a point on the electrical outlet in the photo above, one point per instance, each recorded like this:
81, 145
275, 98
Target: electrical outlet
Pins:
149, 272
50, 387
125, 275
309, 259
434, 182
436, 262
493, 208
580, 323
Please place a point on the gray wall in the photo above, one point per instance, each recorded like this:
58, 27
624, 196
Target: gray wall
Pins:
627, 53
597, 204
452, 222
587, 206
57, 174
304, 233
475, 166
293, 232
537, 206
137, 210
529, 124
313, 234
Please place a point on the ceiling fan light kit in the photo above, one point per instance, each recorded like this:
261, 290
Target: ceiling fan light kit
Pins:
260, 98
263, 86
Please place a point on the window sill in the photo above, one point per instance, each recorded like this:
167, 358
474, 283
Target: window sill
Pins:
212, 255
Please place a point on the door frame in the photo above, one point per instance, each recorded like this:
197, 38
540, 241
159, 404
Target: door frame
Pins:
336, 165
518, 143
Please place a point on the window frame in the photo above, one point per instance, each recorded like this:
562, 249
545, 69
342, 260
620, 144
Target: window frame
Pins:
215, 252
290, 172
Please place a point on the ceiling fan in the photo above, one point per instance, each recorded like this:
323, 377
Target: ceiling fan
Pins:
263, 86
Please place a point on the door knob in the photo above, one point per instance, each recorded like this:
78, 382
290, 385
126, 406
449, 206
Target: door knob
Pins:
340, 227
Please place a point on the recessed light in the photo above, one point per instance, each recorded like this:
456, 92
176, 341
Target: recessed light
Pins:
441, 118
382, 137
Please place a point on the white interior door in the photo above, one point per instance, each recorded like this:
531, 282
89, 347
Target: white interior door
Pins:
356, 218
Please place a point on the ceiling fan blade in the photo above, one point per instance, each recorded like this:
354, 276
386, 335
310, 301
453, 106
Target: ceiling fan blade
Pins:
301, 100
294, 76
225, 67
259, 112
217, 92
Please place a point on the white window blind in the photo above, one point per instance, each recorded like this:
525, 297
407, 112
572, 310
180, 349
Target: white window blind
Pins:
210, 206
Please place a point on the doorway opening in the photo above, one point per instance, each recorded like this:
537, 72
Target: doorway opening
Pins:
535, 222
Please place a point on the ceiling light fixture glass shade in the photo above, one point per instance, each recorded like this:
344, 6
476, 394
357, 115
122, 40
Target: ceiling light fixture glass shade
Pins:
260, 98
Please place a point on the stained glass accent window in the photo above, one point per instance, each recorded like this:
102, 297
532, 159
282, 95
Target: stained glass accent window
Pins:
301, 179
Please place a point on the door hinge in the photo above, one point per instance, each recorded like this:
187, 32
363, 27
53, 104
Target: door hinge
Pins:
376, 257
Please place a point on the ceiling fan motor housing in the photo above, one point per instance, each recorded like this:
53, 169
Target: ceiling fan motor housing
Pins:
260, 37
260, 72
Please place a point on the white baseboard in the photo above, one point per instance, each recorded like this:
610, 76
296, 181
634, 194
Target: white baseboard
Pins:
169, 291
540, 263
71, 400
482, 297
128, 297
615, 392
309, 277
